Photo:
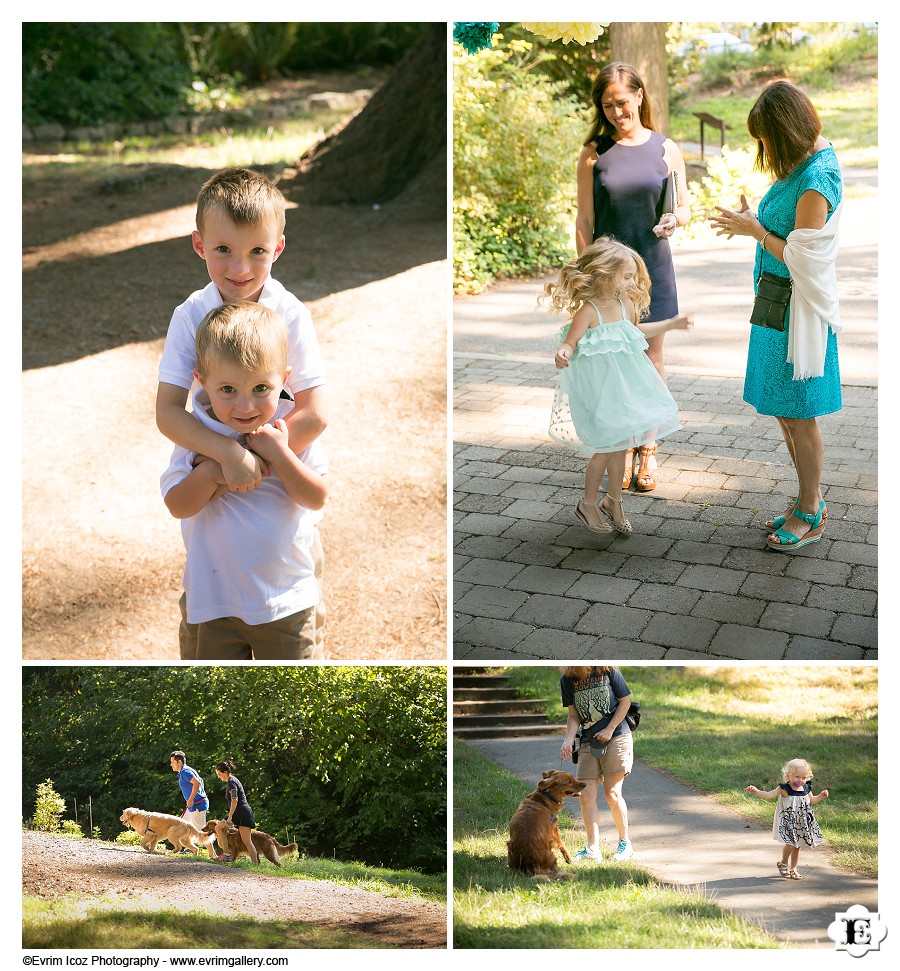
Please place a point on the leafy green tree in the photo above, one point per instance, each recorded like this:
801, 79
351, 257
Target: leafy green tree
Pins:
350, 760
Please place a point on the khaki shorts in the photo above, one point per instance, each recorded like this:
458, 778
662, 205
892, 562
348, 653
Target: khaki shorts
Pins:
291, 638
618, 759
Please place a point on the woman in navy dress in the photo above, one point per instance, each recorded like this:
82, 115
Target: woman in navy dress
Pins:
799, 206
623, 171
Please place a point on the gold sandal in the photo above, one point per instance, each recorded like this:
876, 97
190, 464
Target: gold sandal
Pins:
629, 470
601, 526
794, 875
620, 525
646, 480
783, 868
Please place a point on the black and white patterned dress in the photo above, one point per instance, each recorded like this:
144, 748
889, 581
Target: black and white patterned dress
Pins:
795, 822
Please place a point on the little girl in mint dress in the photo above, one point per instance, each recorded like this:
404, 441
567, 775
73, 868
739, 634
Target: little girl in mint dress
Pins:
609, 396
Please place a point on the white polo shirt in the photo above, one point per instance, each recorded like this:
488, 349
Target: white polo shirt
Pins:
249, 555
179, 357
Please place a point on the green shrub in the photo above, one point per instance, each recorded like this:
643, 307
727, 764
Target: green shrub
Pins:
71, 830
516, 143
728, 176
92, 73
48, 808
129, 837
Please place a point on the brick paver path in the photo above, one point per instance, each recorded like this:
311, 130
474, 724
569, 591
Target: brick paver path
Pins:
694, 580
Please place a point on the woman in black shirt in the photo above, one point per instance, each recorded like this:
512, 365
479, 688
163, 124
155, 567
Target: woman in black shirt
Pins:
239, 812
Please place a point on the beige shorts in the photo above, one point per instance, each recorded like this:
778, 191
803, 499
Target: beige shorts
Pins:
291, 638
618, 759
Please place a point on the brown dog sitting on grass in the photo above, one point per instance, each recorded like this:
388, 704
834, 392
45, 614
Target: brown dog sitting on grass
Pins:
533, 831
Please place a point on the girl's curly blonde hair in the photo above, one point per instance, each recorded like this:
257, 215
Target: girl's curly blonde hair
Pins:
797, 765
591, 274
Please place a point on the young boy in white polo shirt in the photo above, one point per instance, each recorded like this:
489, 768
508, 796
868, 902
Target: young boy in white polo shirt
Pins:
240, 234
249, 575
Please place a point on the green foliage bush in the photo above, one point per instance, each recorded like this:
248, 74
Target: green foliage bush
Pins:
352, 760
71, 830
515, 146
727, 177
92, 73
48, 808
128, 837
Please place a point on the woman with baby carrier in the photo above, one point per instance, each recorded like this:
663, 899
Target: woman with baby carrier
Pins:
598, 739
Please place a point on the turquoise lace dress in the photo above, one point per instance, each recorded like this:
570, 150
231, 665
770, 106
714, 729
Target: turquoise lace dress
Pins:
610, 397
769, 385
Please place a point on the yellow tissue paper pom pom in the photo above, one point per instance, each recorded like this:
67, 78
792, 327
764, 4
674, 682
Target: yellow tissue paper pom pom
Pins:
566, 32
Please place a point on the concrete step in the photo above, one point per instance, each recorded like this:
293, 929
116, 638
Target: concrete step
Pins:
513, 732
484, 694
500, 721
500, 707
479, 681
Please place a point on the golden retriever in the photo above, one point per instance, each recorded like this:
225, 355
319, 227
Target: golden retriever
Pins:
154, 827
533, 831
266, 845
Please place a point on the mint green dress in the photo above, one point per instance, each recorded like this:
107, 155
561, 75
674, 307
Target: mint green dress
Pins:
610, 397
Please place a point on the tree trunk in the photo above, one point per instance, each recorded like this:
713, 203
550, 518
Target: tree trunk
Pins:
400, 136
643, 46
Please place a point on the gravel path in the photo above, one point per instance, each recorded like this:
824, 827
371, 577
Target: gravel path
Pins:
53, 867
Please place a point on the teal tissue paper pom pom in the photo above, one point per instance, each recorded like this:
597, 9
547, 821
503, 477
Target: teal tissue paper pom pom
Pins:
474, 36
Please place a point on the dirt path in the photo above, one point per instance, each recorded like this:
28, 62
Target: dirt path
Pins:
53, 867
102, 558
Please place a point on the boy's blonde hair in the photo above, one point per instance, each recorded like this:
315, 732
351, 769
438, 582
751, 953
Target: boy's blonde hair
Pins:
246, 197
246, 334
796, 765
584, 277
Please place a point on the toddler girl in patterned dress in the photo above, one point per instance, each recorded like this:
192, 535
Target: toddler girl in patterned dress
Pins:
609, 396
795, 822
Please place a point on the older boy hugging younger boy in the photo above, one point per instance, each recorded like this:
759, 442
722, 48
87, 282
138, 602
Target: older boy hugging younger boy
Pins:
240, 234
249, 575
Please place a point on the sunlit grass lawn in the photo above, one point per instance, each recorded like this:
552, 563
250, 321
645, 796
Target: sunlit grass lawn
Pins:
610, 905
849, 119
77, 922
724, 728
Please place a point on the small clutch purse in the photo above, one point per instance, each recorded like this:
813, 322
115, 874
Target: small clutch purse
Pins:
670, 195
773, 297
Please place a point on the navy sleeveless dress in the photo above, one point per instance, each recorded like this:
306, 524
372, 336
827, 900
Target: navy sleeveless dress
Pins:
629, 189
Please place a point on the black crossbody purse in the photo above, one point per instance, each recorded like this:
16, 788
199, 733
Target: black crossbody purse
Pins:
773, 297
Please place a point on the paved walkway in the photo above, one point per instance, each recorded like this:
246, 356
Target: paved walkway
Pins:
688, 839
695, 580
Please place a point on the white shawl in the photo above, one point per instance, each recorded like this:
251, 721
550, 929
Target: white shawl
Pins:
810, 255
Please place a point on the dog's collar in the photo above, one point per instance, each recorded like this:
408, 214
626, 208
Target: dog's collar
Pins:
541, 792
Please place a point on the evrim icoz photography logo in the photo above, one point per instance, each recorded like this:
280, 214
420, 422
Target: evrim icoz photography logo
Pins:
857, 931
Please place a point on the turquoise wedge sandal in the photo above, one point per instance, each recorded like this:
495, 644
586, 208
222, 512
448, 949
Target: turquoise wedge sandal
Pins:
789, 543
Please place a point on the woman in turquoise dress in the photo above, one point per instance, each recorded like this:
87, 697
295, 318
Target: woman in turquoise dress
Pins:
804, 197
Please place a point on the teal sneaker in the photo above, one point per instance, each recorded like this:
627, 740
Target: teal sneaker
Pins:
624, 851
584, 854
